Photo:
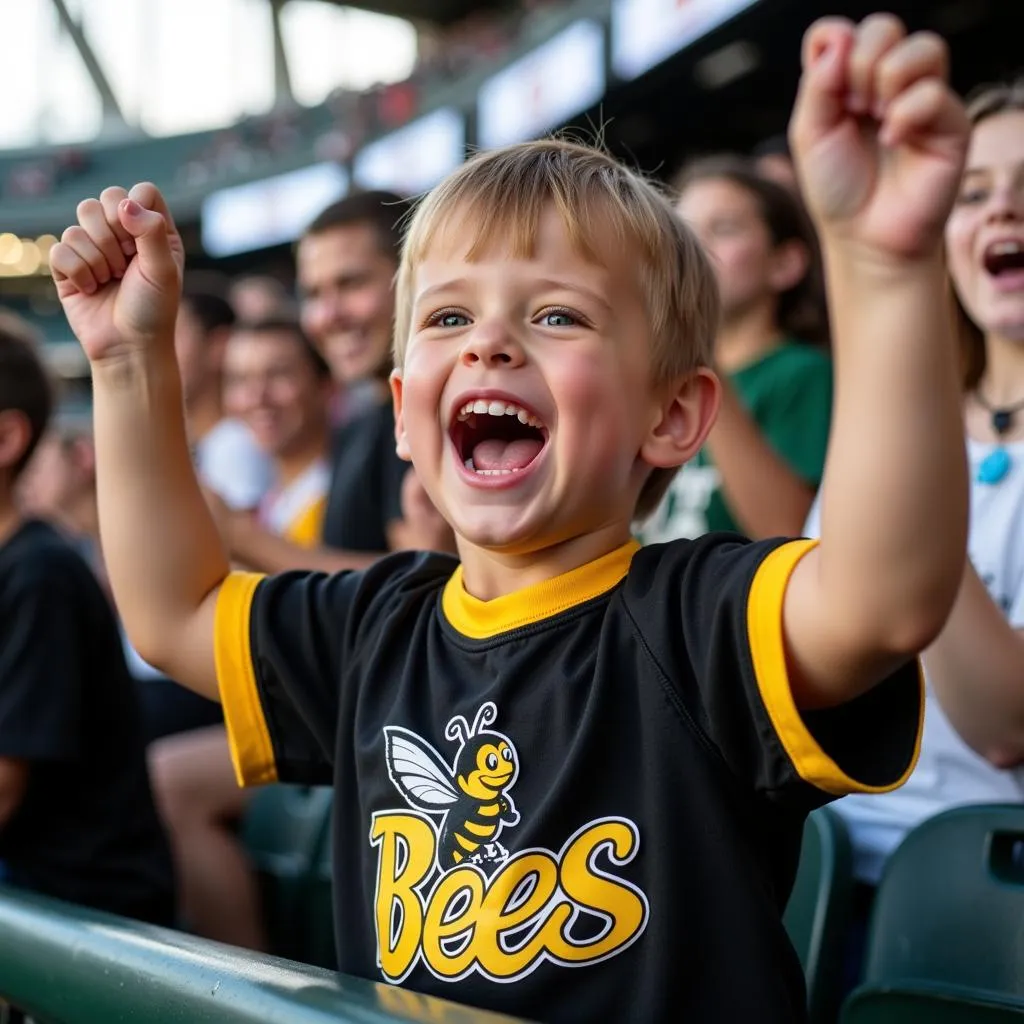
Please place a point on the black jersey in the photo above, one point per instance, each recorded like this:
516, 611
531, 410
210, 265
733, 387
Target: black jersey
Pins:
86, 829
579, 802
366, 482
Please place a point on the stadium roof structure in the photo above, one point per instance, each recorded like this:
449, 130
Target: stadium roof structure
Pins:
440, 12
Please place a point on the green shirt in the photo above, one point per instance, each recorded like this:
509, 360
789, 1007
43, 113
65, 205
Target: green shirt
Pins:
789, 394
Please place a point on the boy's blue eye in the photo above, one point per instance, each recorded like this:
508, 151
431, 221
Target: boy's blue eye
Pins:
559, 318
451, 320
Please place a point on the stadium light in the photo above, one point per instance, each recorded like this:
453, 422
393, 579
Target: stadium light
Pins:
10, 249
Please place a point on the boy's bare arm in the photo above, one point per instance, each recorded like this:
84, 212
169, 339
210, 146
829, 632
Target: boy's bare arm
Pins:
118, 275
880, 142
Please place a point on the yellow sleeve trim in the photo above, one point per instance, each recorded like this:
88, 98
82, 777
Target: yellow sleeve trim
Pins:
248, 737
767, 649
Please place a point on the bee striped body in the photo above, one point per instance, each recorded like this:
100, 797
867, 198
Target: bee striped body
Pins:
469, 826
472, 795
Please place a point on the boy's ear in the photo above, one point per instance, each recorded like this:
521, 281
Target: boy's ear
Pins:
790, 263
686, 417
15, 437
401, 441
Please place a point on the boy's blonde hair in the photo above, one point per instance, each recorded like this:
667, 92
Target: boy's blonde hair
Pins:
504, 193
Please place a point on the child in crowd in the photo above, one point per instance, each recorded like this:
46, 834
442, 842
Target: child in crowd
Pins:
763, 461
571, 773
77, 819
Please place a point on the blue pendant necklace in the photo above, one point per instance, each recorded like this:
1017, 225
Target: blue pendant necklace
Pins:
997, 463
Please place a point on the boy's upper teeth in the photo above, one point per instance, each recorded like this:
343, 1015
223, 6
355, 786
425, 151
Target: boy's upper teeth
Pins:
1005, 248
496, 407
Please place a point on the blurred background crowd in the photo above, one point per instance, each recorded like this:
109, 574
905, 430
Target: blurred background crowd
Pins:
304, 130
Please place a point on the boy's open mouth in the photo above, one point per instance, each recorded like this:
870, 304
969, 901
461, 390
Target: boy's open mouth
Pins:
493, 437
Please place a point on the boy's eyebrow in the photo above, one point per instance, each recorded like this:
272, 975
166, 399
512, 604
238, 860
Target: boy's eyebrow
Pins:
545, 282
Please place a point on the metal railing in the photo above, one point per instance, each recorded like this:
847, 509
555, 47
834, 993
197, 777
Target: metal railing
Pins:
62, 964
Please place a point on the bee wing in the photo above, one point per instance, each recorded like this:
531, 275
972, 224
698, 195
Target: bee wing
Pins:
417, 770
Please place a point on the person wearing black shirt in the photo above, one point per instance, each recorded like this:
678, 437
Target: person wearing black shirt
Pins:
77, 818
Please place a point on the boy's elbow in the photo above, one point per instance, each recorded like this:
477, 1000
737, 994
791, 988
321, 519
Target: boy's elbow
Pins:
161, 641
910, 630
914, 618
150, 645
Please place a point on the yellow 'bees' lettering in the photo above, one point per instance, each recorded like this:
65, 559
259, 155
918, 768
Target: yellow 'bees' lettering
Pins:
395, 882
502, 925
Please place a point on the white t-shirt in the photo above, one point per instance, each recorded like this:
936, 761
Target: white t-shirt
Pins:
949, 773
231, 464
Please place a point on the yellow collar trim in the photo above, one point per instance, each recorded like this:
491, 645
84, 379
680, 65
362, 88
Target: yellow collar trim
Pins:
482, 619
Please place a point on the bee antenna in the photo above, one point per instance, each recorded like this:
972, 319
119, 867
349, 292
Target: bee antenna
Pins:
457, 729
485, 716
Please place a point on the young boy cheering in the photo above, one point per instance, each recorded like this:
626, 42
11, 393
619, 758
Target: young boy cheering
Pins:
570, 774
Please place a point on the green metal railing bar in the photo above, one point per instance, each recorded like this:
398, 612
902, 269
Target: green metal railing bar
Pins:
63, 964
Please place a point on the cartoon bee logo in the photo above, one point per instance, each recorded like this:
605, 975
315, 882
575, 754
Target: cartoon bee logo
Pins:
472, 795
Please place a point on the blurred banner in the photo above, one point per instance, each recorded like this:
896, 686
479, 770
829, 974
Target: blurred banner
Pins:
416, 157
543, 89
269, 212
646, 32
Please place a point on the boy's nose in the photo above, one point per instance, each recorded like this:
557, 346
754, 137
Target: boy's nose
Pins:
492, 345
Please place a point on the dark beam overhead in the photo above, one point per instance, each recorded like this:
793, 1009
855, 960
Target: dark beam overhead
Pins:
437, 12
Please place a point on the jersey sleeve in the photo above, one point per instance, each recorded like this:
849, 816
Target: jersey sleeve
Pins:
796, 422
722, 647
278, 644
43, 653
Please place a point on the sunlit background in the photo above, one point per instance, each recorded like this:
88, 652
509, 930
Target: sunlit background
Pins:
252, 115
183, 65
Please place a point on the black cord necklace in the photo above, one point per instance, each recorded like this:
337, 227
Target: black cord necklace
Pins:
995, 466
1001, 416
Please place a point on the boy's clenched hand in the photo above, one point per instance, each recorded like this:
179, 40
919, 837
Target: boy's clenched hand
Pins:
118, 272
878, 136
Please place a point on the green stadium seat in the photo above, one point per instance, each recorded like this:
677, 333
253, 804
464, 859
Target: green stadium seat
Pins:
817, 914
319, 917
948, 922
283, 830
930, 1004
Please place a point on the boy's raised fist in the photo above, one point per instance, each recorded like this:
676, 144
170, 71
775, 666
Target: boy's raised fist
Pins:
118, 271
878, 136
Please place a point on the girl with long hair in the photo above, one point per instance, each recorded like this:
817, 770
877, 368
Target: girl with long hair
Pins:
763, 460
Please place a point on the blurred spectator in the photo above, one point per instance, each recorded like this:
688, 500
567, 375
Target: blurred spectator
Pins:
764, 457
227, 458
346, 263
59, 484
33, 179
281, 388
258, 297
773, 161
280, 385
77, 819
